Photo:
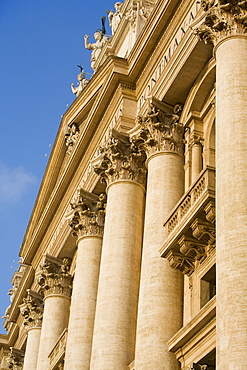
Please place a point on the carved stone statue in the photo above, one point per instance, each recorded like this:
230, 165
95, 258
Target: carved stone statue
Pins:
82, 83
96, 47
115, 18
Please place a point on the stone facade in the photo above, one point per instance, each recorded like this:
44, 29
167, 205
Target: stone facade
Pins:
141, 234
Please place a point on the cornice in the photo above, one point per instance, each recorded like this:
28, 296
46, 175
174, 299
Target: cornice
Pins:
117, 74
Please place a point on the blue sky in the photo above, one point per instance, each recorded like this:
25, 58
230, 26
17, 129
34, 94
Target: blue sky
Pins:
41, 43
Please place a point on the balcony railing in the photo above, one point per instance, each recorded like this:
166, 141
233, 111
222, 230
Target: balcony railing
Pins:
57, 354
190, 230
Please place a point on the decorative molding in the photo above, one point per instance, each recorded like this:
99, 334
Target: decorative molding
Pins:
120, 159
126, 86
15, 359
189, 251
222, 19
158, 130
54, 276
32, 310
87, 214
204, 231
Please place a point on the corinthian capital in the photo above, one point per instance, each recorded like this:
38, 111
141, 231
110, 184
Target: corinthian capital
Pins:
120, 160
15, 359
222, 18
87, 214
32, 309
158, 131
54, 276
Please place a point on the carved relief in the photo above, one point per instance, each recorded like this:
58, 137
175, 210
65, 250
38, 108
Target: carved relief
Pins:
54, 276
139, 12
222, 18
120, 160
180, 262
15, 359
32, 310
71, 133
87, 214
159, 131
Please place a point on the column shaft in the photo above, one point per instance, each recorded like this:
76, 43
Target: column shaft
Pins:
161, 288
231, 182
116, 310
196, 161
55, 320
83, 302
32, 348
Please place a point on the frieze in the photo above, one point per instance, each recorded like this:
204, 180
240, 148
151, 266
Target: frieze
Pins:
169, 51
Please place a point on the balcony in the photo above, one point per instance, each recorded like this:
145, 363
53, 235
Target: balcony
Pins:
190, 228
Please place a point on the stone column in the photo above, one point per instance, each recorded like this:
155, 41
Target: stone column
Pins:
32, 311
115, 322
161, 289
225, 26
86, 220
55, 282
196, 151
